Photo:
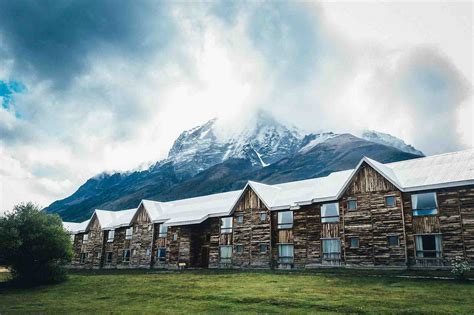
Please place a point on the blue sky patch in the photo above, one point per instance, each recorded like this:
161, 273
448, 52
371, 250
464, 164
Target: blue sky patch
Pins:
7, 91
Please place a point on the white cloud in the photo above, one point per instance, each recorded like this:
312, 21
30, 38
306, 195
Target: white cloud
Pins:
312, 68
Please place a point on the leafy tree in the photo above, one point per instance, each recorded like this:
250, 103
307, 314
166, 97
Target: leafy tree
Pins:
34, 245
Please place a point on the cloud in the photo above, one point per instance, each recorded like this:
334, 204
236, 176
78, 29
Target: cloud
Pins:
109, 87
55, 40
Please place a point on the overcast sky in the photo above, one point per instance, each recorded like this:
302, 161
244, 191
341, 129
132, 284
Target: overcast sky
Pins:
90, 86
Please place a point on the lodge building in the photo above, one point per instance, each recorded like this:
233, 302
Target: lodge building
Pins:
410, 214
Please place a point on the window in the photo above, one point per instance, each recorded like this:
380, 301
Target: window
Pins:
161, 254
424, 204
175, 236
85, 238
128, 233
331, 248
226, 225
285, 219
390, 201
392, 240
163, 230
108, 257
354, 242
148, 251
126, 255
428, 246
285, 253
263, 248
239, 249
83, 258
226, 253
262, 216
352, 204
134, 251
330, 212
110, 236
240, 219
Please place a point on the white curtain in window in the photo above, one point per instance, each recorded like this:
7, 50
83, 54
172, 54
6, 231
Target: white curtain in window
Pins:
330, 209
438, 245
331, 246
419, 244
226, 251
226, 223
285, 250
163, 229
424, 201
285, 217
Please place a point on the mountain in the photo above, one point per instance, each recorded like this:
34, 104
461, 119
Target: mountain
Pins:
385, 138
206, 160
262, 141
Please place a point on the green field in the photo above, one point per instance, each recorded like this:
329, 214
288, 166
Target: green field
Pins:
241, 292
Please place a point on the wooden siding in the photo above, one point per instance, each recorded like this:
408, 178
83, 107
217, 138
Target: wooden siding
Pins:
372, 221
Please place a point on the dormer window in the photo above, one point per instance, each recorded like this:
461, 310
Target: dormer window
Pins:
285, 220
163, 230
111, 236
330, 212
424, 204
128, 233
226, 225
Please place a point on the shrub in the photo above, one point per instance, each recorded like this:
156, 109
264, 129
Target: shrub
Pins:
34, 245
459, 268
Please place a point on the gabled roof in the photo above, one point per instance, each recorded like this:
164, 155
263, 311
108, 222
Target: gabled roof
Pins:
427, 173
74, 228
196, 210
114, 219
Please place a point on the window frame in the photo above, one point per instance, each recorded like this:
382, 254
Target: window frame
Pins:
392, 236
107, 260
286, 259
440, 256
329, 218
109, 239
225, 260
422, 212
394, 201
237, 246
162, 227
327, 256
284, 225
125, 256
129, 235
239, 219
260, 214
352, 200
85, 238
260, 248
161, 259
226, 230
83, 257
350, 242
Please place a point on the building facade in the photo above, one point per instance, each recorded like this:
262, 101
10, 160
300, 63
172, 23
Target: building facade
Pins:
410, 214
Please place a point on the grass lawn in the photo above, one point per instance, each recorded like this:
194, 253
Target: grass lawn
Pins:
233, 291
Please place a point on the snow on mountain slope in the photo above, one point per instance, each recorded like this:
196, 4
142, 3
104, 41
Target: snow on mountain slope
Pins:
262, 140
389, 140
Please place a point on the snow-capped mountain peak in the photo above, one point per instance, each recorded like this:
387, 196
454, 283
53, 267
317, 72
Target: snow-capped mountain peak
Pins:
389, 140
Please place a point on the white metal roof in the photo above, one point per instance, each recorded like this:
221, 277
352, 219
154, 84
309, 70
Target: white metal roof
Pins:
74, 228
114, 219
427, 173
196, 210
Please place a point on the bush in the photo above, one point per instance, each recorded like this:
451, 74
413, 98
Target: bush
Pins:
34, 245
460, 268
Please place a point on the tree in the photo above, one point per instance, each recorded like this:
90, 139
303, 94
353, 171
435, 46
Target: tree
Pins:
34, 245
